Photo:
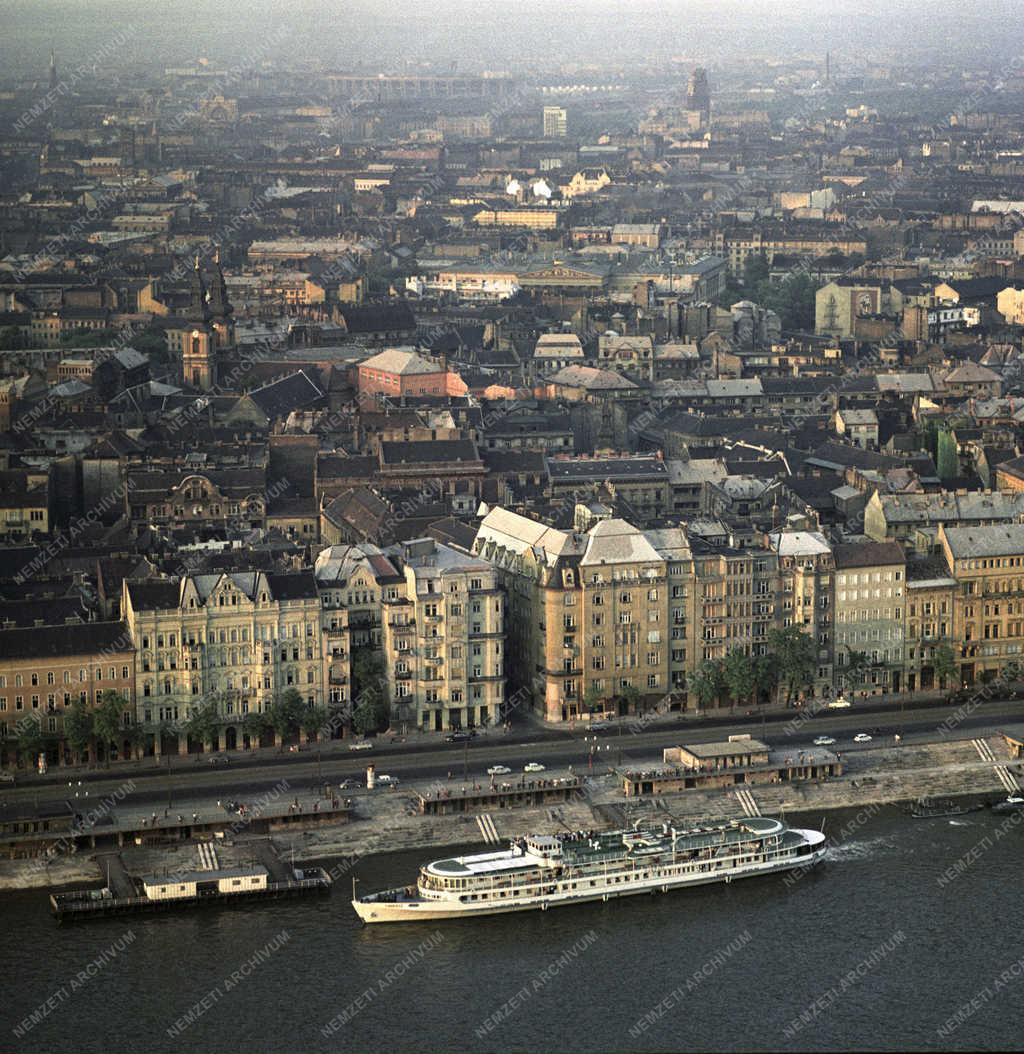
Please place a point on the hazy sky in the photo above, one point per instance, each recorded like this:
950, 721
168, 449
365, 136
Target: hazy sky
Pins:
345, 33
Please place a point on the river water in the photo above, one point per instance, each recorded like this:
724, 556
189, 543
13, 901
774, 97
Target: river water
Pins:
906, 938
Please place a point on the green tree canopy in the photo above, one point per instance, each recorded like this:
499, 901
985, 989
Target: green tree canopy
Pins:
286, 713
367, 670
739, 674
108, 719
204, 723
254, 725
795, 655
944, 663
313, 720
11, 339
593, 700
78, 727
766, 673
30, 740
89, 338
707, 682
631, 696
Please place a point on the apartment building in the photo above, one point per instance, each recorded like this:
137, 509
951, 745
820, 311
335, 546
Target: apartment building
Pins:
806, 572
443, 636
870, 595
602, 618
988, 613
531, 560
238, 639
44, 670
928, 622
682, 595
352, 579
737, 598
614, 632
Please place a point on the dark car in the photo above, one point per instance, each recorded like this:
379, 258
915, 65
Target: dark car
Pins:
458, 737
347, 785
232, 806
219, 759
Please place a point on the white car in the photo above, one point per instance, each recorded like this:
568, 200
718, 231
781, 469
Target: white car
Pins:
862, 737
534, 766
386, 781
824, 741
363, 744
498, 770
839, 704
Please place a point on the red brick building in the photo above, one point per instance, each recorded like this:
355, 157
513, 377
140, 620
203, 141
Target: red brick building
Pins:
401, 371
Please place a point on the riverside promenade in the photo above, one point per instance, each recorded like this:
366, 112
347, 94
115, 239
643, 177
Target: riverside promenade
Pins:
382, 820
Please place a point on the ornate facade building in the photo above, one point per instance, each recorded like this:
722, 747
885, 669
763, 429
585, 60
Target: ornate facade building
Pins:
239, 639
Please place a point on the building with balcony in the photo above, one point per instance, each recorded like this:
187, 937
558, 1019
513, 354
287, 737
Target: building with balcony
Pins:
870, 596
238, 640
988, 613
597, 620
928, 622
807, 573
443, 636
737, 599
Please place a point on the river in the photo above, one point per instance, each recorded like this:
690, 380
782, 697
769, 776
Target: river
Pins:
905, 938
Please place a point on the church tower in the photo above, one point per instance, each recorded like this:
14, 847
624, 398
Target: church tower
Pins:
198, 338
221, 311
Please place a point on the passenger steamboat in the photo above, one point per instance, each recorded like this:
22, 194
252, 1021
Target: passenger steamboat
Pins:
549, 871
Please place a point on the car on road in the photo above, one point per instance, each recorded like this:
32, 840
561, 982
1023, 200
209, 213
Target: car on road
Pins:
231, 806
363, 744
824, 741
459, 736
600, 726
862, 737
387, 781
498, 770
533, 766
6, 777
219, 759
349, 785
839, 704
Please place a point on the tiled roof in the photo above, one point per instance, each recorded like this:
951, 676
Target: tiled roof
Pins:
403, 362
59, 642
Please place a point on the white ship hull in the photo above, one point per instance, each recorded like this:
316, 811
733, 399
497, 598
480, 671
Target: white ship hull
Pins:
419, 909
